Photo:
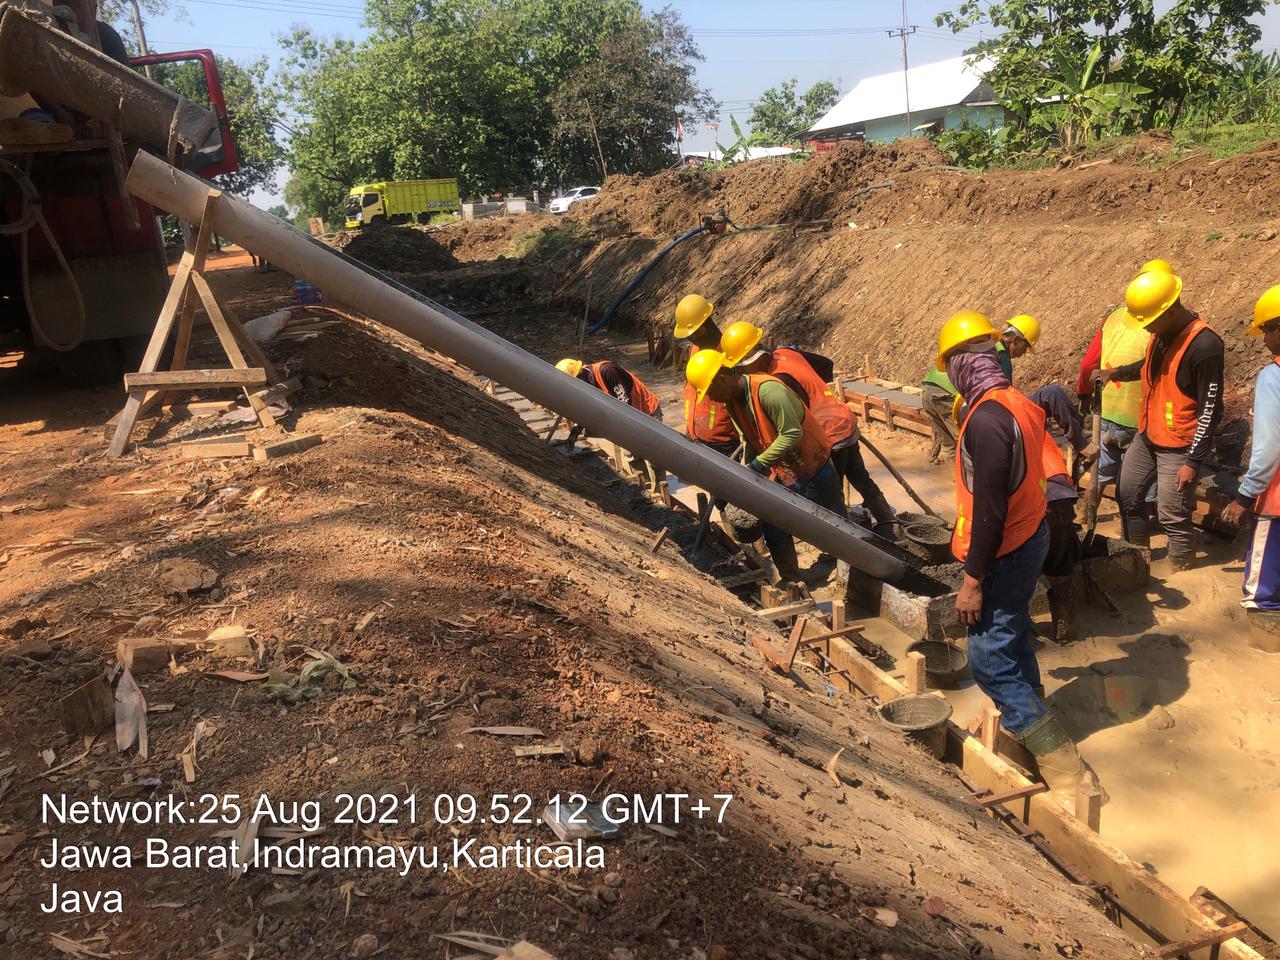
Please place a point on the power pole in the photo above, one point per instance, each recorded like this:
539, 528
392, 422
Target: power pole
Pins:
142, 36
904, 31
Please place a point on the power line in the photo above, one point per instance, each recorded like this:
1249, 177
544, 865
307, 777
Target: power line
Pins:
905, 31
272, 8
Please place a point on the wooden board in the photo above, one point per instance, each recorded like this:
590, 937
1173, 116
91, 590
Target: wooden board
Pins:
194, 379
284, 448
231, 445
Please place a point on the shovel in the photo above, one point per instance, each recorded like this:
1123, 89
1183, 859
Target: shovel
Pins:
1094, 496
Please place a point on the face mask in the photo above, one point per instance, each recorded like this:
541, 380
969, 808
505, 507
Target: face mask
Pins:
986, 346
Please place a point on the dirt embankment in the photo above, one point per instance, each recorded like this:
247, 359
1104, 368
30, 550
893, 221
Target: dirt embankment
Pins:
465, 577
1059, 244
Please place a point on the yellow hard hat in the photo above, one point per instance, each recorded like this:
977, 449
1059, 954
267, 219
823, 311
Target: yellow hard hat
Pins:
961, 328
1158, 264
737, 342
1028, 328
1265, 310
702, 369
692, 311
570, 366
1151, 294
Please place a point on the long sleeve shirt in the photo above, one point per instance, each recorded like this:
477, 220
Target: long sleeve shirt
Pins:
617, 381
1198, 376
786, 411
994, 450
1264, 459
1057, 406
1092, 360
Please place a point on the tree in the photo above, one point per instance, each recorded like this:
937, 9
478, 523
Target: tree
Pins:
253, 113
779, 117
1079, 106
625, 101
280, 211
1192, 46
467, 88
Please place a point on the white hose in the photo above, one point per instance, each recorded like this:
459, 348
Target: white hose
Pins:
31, 215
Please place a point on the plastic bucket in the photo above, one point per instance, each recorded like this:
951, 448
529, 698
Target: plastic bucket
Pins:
922, 718
945, 662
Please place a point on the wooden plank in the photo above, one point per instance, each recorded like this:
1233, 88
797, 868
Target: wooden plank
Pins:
283, 448
786, 610
742, 579
1201, 940
865, 674
915, 673
194, 379
1141, 893
659, 540
990, 728
231, 445
125, 427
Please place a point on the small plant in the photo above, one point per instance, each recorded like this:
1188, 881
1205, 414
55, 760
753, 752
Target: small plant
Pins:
1213, 236
544, 244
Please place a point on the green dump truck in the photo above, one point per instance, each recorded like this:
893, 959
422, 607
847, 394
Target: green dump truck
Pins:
401, 201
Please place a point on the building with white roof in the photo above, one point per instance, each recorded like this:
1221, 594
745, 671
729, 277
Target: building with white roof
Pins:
942, 96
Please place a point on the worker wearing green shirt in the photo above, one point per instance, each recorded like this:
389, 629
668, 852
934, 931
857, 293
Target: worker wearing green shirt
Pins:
782, 440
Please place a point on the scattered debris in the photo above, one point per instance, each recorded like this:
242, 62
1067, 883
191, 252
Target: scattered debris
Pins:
541, 750
131, 715
229, 641
365, 945
32, 648
143, 654
9, 843
881, 916
183, 577
230, 445
89, 708
239, 676
569, 822
202, 730
1160, 719
507, 731
831, 768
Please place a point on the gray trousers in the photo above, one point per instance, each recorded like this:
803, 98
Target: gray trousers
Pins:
936, 404
1143, 463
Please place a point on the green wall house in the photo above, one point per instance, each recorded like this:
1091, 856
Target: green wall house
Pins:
942, 96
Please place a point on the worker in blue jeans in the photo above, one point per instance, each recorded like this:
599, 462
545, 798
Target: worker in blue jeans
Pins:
1002, 538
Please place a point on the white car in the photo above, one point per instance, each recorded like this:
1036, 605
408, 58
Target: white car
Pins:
567, 199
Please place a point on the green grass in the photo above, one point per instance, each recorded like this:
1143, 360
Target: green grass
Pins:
546, 243
1225, 139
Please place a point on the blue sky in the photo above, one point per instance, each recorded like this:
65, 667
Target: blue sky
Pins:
749, 45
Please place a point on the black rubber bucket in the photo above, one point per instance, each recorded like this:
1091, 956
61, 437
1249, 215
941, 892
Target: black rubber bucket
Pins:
945, 662
922, 718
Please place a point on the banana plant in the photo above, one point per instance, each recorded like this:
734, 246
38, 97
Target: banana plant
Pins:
1080, 106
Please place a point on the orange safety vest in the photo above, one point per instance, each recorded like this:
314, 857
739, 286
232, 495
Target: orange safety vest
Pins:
705, 419
1027, 505
642, 398
1268, 505
1052, 458
1168, 416
759, 432
837, 420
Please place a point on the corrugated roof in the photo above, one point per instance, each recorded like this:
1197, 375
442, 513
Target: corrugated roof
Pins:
933, 86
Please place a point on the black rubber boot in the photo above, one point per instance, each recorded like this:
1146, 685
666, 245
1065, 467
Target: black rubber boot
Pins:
1182, 561
1059, 761
1062, 607
884, 515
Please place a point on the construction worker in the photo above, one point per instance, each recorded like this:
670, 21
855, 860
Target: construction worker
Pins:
1117, 344
1060, 500
1002, 539
1259, 492
937, 399
620, 383
1178, 413
742, 351
705, 421
1021, 334
938, 393
783, 441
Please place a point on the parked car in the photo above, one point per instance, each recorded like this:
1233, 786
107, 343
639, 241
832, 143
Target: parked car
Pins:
567, 199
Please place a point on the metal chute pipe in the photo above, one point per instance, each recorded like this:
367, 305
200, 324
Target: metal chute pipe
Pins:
621, 298
40, 59
439, 328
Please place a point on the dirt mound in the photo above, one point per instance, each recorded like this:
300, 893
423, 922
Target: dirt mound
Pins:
1059, 244
461, 576
759, 192
396, 249
493, 237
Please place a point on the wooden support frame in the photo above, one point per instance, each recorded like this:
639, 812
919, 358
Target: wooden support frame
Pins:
146, 388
